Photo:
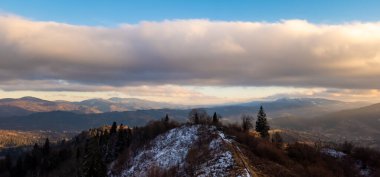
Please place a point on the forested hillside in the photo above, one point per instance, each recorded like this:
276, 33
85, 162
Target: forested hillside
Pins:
201, 147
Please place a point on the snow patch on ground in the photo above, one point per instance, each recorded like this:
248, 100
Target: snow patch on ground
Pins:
215, 144
363, 169
222, 159
333, 153
230, 141
166, 151
365, 172
218, 166
246, 174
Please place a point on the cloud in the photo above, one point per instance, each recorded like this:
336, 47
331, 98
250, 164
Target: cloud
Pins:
292, 53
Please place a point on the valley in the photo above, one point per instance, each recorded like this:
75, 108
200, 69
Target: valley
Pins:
226, 156
328, 120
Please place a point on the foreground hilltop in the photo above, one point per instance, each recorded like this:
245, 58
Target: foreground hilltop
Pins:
166, 148
189, 150
204, 150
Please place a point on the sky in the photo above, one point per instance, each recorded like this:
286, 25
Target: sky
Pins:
190, 52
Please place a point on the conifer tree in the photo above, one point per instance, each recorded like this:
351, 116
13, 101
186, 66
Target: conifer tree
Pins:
18, 170
46, 147
166, 120
8, 162
196, 118
121, 139
78, 153
92, 164
36, 149
215, 119
261, 123
113, 128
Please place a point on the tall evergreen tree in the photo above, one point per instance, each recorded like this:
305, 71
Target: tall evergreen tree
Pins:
36, 147
113, 128
261, 124
196, 118
121, 139
18, 170
46, 147
30, 162
215, 118
78, 153
8, 162
92, 164
166, 120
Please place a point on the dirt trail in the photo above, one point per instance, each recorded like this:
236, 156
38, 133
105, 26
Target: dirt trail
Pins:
238, 152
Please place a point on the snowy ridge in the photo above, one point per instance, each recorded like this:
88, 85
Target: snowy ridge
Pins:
170, 150
166, 151
225, 139
223, 161
218, 166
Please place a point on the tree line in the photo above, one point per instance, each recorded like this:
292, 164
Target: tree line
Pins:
200, 116
89, 153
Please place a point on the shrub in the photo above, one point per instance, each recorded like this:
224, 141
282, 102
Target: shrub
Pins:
303, 153
158, 172
346, 147
367, 156
269, 151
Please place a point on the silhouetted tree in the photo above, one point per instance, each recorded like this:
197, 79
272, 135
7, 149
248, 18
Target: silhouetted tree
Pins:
193, 116
121, 127
246, 122
92, 164
121, 139
8, 162
78, 154
261, 123
347, 147
18, 170
113, 128
166, 120
197, 116
46, 147
215, 119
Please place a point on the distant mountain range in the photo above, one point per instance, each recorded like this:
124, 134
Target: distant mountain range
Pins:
27, 105
283, 107
302, 107
333, 119
30, 113
125, 104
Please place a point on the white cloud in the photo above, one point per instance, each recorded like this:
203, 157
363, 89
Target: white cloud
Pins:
290, 53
